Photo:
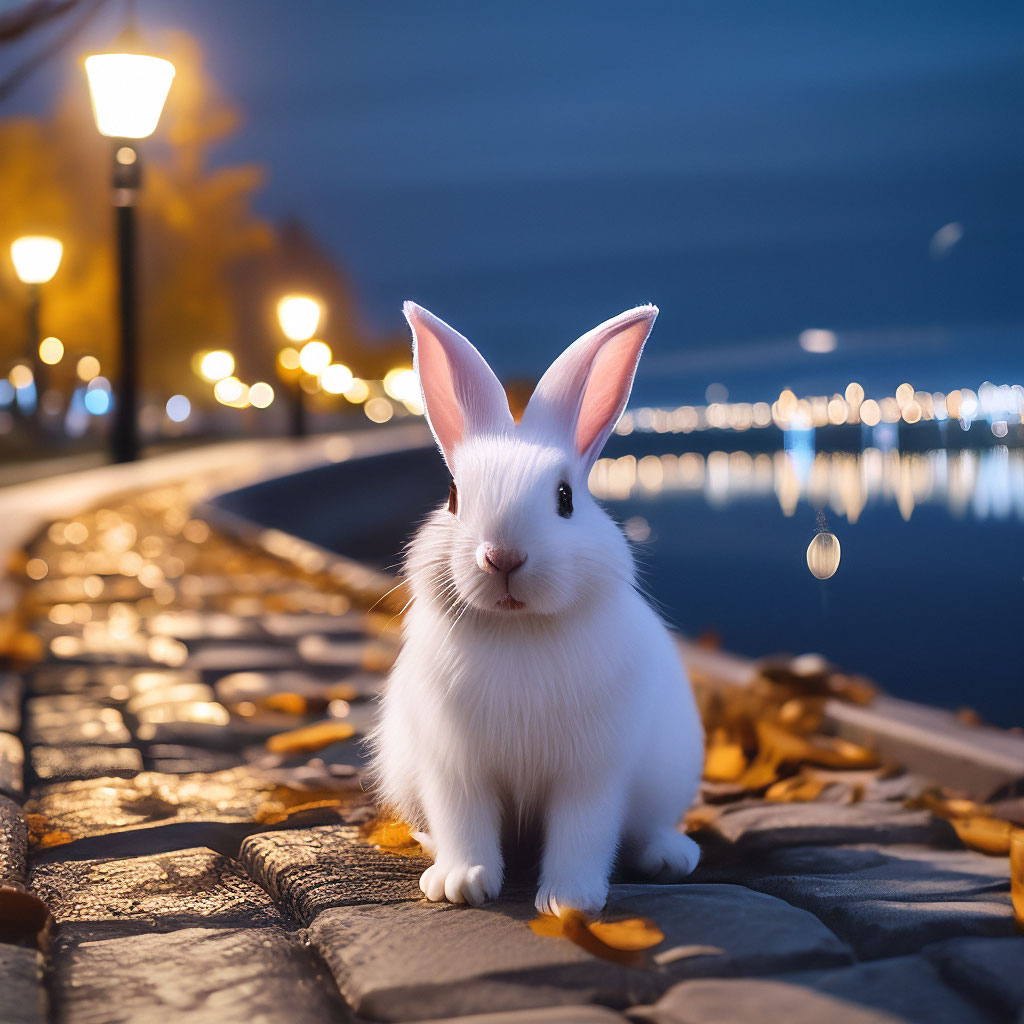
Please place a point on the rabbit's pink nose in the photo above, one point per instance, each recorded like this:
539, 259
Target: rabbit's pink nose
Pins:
495, 558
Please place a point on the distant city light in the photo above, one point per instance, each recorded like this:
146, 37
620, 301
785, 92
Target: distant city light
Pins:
402, 384
21, 376
51, 351
88, 367
261, 395
299, 316
36, 258
289, 358
228, 390
336, 378
716, 393
379, 410
314, 357
97, 400
217, 365
178, 408
817, 340
358, 391
7, 391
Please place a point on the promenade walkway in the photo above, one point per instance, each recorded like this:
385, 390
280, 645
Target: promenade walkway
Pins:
184, 837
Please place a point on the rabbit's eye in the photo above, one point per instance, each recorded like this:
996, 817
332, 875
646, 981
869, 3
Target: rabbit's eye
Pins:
453, 499
564, 500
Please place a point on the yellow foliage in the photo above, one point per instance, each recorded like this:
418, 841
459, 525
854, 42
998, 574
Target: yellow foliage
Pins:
623, 942
310, 738
195, 224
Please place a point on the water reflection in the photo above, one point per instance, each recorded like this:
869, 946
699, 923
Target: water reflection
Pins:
982, 485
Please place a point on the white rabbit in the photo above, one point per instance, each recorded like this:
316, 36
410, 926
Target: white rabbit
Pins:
534, 681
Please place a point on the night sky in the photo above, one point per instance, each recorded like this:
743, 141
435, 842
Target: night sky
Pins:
528, 169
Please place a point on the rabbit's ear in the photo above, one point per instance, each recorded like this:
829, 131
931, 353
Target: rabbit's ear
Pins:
461, 395
584, 392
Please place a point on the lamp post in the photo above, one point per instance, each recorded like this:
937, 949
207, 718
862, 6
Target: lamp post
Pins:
299, 317
128, 91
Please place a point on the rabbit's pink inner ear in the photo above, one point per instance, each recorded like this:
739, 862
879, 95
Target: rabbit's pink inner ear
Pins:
609, 384
442, 405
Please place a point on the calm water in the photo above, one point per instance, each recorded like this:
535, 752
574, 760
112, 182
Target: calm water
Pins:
928, 598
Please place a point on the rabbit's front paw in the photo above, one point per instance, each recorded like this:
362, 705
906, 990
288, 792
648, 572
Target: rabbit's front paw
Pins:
460, 883
588, 898
668, 856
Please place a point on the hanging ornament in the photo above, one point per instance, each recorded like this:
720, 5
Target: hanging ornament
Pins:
823, 551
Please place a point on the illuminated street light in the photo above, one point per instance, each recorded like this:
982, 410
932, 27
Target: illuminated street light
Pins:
128, 90
36, 258
299, 317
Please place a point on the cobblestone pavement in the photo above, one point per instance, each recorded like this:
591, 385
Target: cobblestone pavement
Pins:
167, 854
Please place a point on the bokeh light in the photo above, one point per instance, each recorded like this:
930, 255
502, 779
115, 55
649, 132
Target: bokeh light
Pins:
314, 357
336, 378
51, 351
178, 408
261, 395
217, 365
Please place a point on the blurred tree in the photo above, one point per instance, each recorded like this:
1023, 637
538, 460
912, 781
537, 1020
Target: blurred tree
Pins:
195, 223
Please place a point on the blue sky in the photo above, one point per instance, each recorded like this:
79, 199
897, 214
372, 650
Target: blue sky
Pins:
527, 169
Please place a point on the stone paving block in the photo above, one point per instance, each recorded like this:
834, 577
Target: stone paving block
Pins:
252, 686
52, 764
989, 971
199, 627
182, 759
151, 799
544, 1015
11, 686
897, 991
193, 976
416, 960
162, 892
884, 901
96, 683
13, 843
310, 870
22, 992
238, 657
12, 765
759, 826
54, 721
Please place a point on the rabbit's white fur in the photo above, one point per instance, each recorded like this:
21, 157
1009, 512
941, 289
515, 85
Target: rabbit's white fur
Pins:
573, 710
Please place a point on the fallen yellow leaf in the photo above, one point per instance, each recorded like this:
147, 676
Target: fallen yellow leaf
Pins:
622, 942
989, 835
798, 789
310, 738
391, 835
725, 761
1017, 876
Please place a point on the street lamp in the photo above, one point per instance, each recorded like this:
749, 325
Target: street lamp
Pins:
299, 317
128, 91
36, 259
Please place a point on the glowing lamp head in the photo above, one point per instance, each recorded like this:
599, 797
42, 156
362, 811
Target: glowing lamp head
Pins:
299, 316
36, 258
128, 92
